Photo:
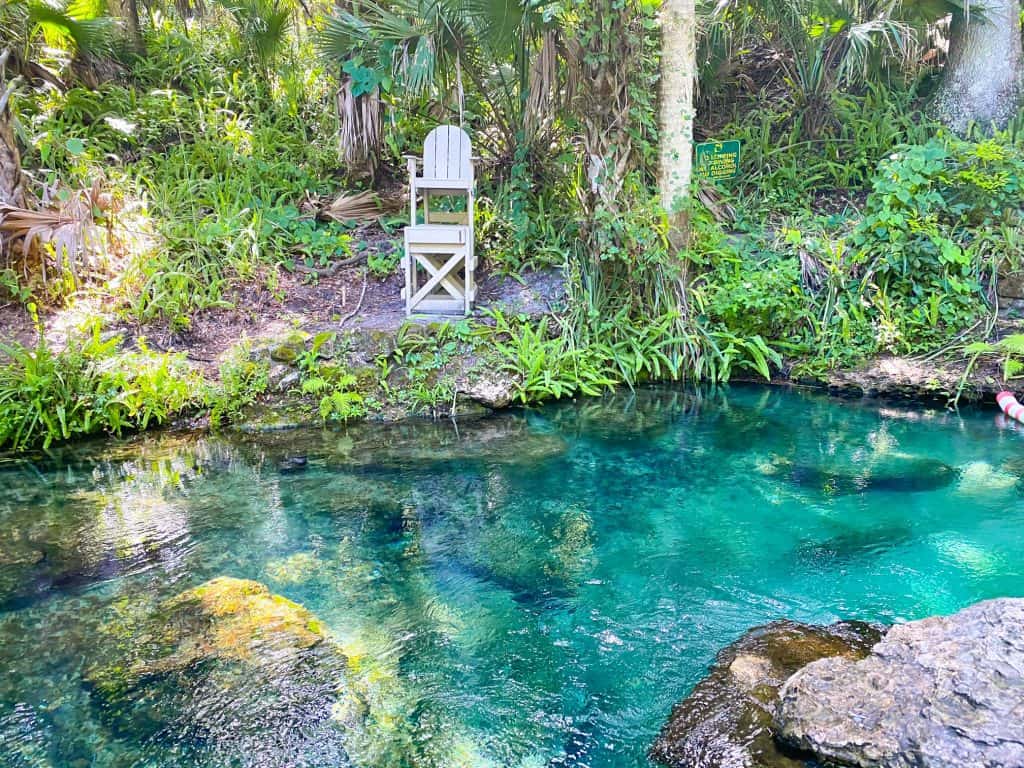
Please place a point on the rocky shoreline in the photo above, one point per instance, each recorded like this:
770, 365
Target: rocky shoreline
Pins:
942, 692
480, 388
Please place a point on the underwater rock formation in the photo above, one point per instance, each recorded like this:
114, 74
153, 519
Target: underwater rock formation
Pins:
535, 554
298, 568
894, 474
726, 722
413, 444
942, 692
225, 668
228, 673
225, 619
981, 479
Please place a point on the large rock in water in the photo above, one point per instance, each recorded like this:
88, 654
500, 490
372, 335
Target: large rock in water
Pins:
226, 672
726, 722
225, 619
944, 692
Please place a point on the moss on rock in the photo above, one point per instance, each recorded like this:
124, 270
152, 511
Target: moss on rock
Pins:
226, 667
288, 349
225, 619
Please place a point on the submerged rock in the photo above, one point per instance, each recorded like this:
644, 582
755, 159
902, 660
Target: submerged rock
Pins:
726, 722
535, 553
944, 692
895, 474
225, 619
980, 478
298, 568
225, 668
293, 464
852, 545
230, 674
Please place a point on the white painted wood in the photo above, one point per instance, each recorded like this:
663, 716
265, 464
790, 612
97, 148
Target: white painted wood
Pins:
440, 250
440, 306
439, 277
436, 234
448, 217
448, 155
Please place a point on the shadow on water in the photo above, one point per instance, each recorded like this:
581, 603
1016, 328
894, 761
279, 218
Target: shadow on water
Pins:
49, 578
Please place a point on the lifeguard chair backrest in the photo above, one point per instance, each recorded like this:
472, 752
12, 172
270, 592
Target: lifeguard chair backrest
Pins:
447, 154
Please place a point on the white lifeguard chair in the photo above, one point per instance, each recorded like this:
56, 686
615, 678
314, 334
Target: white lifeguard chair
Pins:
439, 258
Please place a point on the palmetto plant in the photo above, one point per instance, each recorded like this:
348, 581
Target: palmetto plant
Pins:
263, 26
32, 30
74, 26
61, 234
819, 46
504, 50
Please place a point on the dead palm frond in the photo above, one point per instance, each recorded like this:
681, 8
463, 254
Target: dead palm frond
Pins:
542, 97
359, 126
62, 234
349, 206
712, 199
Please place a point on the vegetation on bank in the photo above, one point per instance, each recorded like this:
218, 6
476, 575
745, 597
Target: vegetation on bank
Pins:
167, 159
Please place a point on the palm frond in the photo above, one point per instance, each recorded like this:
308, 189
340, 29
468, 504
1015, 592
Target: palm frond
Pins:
60, 28
263, 25
353, 206
63, 234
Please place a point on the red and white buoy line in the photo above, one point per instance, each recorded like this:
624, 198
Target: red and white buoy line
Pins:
1008, 404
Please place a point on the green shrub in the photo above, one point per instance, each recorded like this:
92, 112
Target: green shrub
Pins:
919, 243
757, 296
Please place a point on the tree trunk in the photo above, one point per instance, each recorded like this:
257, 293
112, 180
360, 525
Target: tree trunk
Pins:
982, 80
10, 160
131, 8
678, 76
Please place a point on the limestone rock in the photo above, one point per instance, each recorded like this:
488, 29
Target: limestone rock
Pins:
226, 668
902, 378
225, 619
944, 692
1011, 284
288, 349
726, 722
297, 568
493, 389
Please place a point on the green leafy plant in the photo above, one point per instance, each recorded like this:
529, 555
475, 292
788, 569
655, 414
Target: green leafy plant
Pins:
547, 367
1009, 348
12, 286
89, 387
242, 380
330, 382
383, 263
919, 237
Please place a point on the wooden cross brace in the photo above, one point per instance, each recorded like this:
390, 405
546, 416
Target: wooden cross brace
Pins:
442, 275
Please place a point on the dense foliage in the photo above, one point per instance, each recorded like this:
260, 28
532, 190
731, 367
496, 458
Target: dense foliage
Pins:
170, 159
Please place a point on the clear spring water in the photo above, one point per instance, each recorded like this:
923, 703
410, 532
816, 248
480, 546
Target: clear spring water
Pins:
534, 589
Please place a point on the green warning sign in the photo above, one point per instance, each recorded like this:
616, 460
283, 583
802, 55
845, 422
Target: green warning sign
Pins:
718, 159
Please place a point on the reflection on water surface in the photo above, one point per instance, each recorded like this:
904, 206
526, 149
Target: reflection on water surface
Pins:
534, 589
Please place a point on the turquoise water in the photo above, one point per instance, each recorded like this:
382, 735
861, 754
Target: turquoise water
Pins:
534, 589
